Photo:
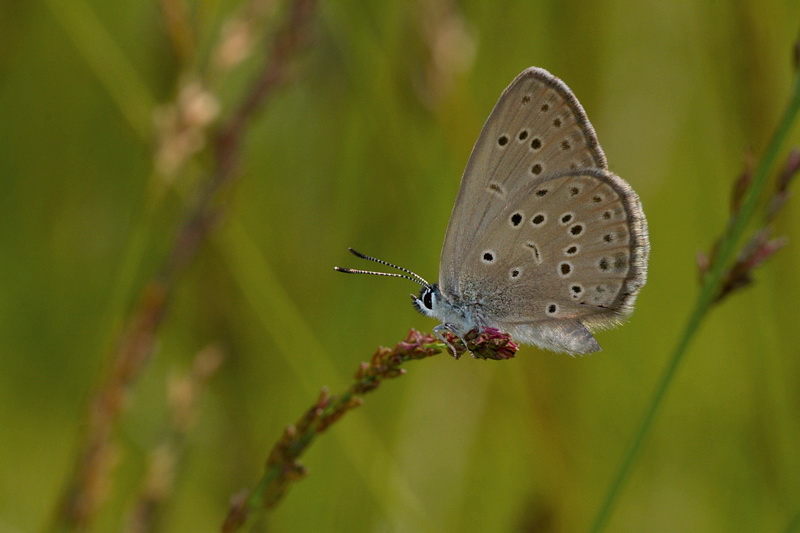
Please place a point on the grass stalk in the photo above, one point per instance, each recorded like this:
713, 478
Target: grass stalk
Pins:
729, 246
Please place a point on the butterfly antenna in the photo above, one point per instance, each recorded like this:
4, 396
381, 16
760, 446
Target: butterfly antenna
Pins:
413, 276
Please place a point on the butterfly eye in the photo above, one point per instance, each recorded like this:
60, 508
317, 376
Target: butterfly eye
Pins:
427, 299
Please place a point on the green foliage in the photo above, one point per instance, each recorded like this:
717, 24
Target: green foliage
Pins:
363, 145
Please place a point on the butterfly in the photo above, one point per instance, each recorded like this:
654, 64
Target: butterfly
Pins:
544, 242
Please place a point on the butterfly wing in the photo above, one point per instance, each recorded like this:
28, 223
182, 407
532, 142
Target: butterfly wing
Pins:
565, 256
537, 129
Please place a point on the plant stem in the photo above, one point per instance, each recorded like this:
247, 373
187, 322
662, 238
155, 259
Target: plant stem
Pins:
705, 299
83, 492
283, 466
794, 523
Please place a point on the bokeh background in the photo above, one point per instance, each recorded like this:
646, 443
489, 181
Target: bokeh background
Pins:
364, 146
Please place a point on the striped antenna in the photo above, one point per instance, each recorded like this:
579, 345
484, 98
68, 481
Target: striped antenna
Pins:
412, 275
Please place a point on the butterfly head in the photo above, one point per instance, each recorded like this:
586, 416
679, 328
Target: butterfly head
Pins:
454, 315
429, 299
429, 296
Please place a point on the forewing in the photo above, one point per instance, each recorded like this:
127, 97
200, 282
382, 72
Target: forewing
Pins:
536, 130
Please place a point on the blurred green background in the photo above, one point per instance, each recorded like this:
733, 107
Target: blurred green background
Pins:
364, 147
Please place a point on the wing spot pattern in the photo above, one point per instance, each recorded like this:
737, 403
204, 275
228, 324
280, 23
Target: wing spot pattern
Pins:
537, 256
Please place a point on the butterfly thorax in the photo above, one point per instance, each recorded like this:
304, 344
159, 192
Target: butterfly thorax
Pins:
458, 314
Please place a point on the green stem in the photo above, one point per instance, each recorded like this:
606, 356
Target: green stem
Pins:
708, 293
794, 523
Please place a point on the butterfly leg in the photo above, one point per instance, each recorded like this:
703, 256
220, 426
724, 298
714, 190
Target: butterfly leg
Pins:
450, 328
